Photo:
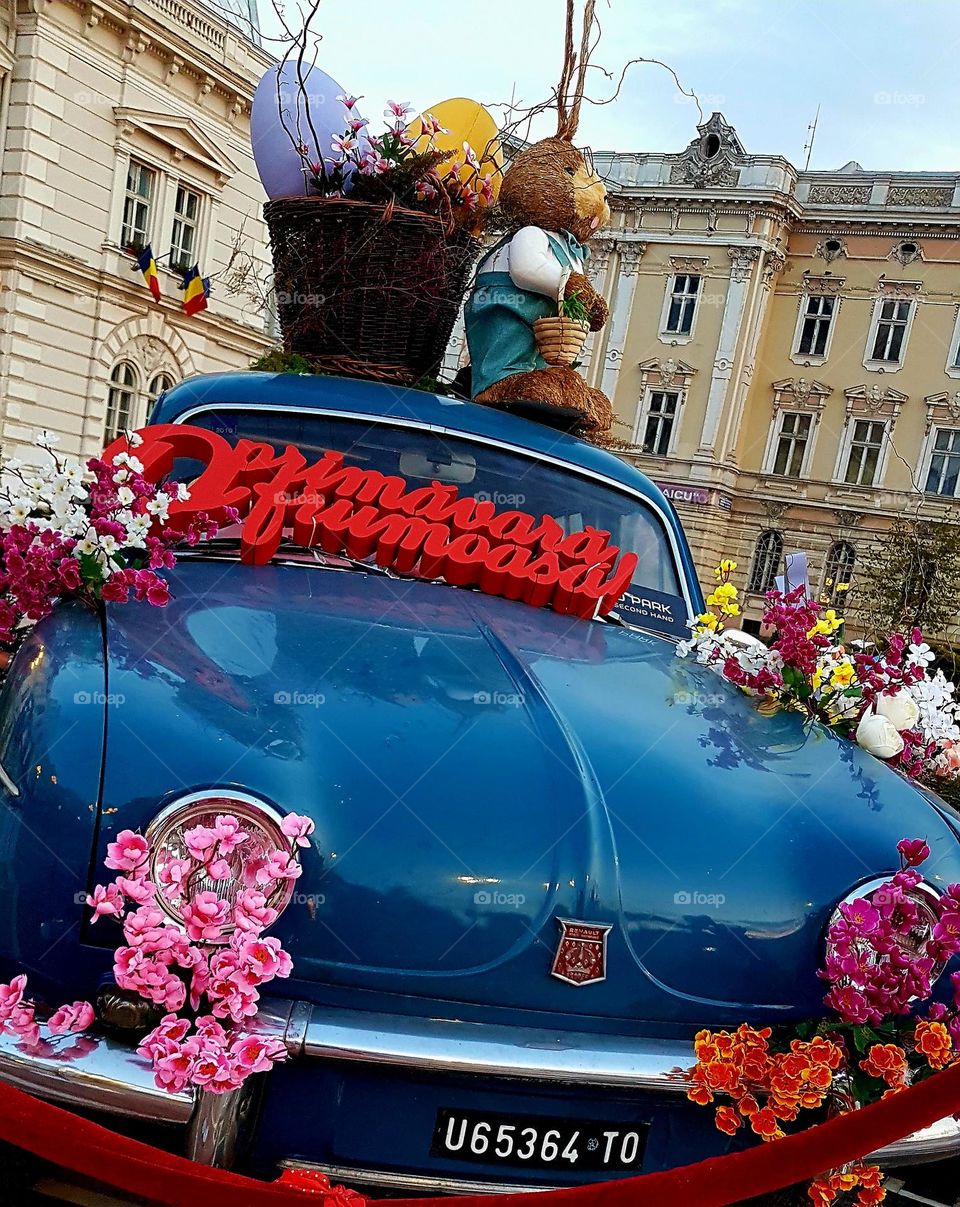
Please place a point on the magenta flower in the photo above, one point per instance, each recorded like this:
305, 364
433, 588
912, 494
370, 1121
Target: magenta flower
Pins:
860, 914
913, 850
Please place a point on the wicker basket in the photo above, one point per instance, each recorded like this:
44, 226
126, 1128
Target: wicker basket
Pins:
367, 290
560, 340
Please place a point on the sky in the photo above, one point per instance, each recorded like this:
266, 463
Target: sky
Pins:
882, 71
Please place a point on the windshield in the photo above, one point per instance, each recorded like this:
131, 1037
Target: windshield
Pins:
506, 478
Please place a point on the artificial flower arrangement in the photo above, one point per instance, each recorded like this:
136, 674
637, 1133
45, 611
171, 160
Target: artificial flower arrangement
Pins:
94, 533
198, 957
402, 165
101, 533
882, 1035
884, 699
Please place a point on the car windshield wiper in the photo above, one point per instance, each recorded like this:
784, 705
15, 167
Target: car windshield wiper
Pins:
287, 551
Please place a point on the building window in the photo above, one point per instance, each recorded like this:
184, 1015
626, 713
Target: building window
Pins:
158, 384
183, 242
792, 443
890, 334
137, 203
943, 475
659, 423
866, 446
120, 401
682, 304
837, 572
815, 324
767, 561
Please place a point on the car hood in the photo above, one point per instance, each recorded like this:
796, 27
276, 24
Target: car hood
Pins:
478, 769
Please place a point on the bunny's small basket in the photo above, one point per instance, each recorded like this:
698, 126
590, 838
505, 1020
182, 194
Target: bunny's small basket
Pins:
559, 339
367, 290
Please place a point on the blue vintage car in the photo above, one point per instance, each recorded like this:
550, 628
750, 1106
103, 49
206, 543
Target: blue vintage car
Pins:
547, 850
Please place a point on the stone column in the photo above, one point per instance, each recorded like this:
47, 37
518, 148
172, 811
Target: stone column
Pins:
630, 253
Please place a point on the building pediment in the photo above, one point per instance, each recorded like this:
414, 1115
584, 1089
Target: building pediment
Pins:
874, 401
182, 136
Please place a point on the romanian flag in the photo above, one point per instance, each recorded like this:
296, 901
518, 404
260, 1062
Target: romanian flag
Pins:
195, 290
148, 266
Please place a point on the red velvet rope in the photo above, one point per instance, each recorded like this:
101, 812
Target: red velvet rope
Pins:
123, 1164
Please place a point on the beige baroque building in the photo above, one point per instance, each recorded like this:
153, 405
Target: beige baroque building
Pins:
121, 123
784, 347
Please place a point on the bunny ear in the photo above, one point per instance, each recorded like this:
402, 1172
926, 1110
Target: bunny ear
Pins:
569, 99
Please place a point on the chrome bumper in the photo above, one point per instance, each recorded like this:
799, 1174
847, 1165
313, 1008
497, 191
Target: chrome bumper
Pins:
111, 1078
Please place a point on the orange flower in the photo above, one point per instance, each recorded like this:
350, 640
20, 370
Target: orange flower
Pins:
888, 1061
933, 1040
728, 1120
765, 1124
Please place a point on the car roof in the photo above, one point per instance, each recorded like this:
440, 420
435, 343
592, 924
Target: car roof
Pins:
353, 396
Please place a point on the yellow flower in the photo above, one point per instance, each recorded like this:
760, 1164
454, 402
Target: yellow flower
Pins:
708, 621
843, 586
828, 623
726, 567
731, 609
843, 675
817, 679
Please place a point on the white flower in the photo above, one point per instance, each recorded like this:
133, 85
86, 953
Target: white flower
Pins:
920, 655
125, 496
47, 439
878, 737
136, 465
20, 511
121, 475
901, 710
183, 492
86, 546
134, 440
109, 544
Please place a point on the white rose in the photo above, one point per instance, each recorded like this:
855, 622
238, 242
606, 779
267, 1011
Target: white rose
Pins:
878, 736
900, 710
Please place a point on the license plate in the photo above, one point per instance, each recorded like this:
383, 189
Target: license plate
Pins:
538, 1142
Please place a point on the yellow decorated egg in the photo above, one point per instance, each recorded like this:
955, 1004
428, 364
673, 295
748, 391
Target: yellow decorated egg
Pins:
467, 122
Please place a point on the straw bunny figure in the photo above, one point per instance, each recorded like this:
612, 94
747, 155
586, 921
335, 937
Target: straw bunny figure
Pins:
554, 202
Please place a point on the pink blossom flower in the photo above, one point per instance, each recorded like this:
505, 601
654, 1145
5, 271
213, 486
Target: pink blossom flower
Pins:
22, 1023
263, 959
200, 841
11, 995
173, 875
279, 866
228, 834
219, 869
70, 1020
127, 853
251, 912
205, 916
257, 1055
137, 888
347, 100
298, 828
106, 902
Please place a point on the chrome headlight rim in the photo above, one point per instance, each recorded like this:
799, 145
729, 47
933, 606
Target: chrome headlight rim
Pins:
188, 810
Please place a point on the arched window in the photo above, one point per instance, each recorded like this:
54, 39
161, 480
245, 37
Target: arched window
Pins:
767, 561
837, 571
158, 384
120, 400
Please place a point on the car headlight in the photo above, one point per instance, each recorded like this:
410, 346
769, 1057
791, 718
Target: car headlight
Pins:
165, 835
914, 941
